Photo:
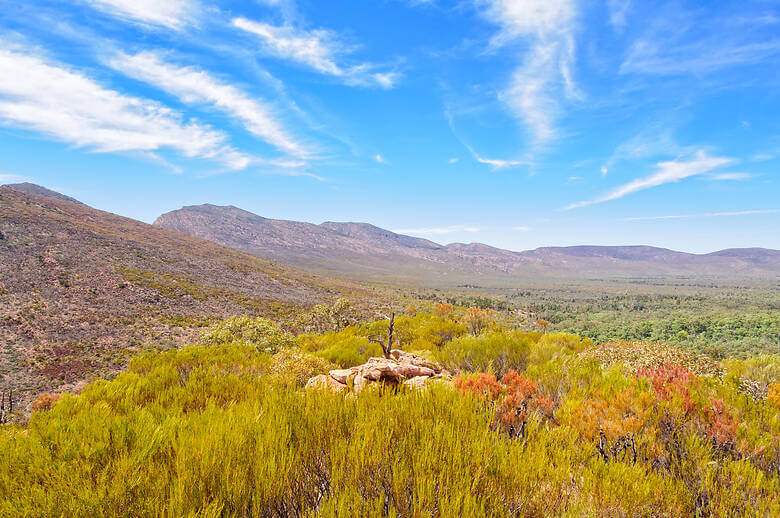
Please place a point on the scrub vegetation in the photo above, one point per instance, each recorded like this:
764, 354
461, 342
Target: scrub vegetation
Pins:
533, 423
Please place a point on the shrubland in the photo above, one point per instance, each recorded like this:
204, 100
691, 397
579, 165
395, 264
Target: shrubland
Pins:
533, 424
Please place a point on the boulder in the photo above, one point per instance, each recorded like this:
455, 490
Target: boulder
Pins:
413, 359
343, 375
360, 383
382, 369
325, 382
402, 367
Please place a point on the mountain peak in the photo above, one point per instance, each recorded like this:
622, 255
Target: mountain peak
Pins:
37, 190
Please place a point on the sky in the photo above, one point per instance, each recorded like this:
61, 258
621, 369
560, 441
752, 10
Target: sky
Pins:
514, 123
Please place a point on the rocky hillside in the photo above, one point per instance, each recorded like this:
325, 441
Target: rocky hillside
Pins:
362, 249
80, 289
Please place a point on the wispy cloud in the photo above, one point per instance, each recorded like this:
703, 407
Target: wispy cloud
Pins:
705, 215
666, 172
545, 76
495, 163
192, 85
173, 14
438, 230
68, 106
730, 176
318, 49
652, 142
453, 160
521, 228
618, 13
684, 43
379, 159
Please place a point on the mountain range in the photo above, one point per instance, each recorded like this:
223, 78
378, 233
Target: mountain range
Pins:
364, 250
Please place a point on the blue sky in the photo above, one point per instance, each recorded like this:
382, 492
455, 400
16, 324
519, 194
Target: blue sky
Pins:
514, 123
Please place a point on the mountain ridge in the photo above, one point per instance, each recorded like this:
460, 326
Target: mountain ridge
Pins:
365, 246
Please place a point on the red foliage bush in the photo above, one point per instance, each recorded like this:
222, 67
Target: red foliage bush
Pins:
721, 424
482, 384
520, 396
668, 380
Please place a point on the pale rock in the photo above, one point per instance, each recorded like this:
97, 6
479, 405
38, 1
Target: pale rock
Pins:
325, 382
343, 375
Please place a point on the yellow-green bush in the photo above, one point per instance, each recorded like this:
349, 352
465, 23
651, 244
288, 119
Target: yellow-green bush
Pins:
213, 431
261, 333
292, 366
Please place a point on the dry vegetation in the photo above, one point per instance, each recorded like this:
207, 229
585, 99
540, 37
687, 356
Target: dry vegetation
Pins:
534, 424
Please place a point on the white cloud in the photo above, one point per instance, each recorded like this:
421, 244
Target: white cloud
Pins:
667, 172
68, 106
604, 170
438, 230
196, 86
453, 160
545, 76
173, 14
497, 163
317, 49
521, 228
706, 215
731, 176
379, 159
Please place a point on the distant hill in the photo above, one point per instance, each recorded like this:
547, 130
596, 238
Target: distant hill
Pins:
365, 250
31, 188
80, 289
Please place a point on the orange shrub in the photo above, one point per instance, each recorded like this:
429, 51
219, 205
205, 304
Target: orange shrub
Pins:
773, 395
519, 384
44, 401
443, 310
482, 384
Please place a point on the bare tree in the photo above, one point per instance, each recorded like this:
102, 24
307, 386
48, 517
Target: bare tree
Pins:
388, 345
6, 414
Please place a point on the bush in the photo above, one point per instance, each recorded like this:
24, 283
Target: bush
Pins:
345, 349
260, 333
44, 402
497, 352
295, 367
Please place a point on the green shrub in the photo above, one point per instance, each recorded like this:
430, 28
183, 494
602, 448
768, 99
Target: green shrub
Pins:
263, 334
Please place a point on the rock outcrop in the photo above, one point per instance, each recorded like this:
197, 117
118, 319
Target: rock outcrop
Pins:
401, 368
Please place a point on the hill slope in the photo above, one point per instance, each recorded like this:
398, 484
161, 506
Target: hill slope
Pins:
31, 188
81, 288
361, 249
